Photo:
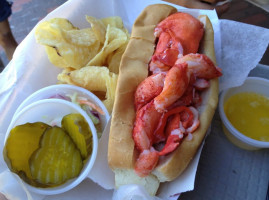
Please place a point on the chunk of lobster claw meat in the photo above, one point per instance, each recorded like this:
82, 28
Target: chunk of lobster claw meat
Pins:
186, 29
175, 84
146, 162
201, 66
147, 119
148, 89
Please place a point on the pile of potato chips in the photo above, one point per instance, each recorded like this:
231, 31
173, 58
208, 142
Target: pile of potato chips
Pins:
90, 57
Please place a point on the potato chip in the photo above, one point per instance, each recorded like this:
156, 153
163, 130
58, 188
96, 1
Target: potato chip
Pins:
62, 23
64, 77
113, 22
75, 54
83, 37
49, 31
46, 34
90, 56
114, 59
115, 38
55, 58
98, 27
111, 85
93, 78
117, 23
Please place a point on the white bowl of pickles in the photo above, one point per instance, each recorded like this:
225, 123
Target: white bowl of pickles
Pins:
51, 145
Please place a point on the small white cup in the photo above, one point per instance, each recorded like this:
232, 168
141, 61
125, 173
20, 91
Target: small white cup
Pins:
65, 89
252, 84
45, 111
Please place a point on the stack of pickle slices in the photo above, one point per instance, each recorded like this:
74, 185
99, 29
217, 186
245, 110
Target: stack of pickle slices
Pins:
48, 156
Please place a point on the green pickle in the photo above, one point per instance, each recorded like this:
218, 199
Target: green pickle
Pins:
56, 160
78, 129
22, 141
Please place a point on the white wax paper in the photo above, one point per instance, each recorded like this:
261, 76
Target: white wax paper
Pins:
243, 46
30, 70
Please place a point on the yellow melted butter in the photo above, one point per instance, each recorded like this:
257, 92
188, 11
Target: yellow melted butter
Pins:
248, 112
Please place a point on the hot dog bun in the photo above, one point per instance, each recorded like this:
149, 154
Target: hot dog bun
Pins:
122, 153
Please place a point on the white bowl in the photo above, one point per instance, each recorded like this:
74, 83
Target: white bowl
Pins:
252, 84
64, 89
45, 111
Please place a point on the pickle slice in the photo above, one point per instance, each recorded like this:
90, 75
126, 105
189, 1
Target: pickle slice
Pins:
57, 158
78, 129
22, 141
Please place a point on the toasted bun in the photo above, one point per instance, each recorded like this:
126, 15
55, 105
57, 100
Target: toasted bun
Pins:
134, 69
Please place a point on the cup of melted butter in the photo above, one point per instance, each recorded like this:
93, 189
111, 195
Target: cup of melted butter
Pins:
244, 112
